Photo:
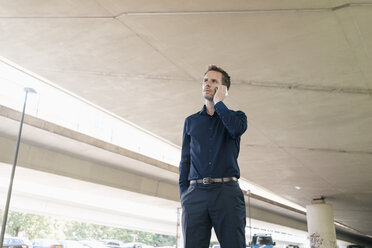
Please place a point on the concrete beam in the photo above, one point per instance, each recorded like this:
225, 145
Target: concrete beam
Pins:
37, 158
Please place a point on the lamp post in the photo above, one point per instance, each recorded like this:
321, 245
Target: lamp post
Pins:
5, 215
250, 217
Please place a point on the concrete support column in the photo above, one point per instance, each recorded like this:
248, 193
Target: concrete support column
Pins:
320, 225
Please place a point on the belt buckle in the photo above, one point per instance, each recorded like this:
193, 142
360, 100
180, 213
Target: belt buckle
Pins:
207, 180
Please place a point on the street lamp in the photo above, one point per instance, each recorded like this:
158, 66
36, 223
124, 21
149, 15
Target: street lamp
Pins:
5, 215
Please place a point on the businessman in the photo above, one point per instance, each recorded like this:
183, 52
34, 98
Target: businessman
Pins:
209, 171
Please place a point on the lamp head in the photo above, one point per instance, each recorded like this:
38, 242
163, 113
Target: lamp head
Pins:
30, 90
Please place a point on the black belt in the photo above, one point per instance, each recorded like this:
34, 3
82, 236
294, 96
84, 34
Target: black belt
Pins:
209, 180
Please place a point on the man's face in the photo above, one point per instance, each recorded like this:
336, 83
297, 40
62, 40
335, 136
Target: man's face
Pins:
211, 81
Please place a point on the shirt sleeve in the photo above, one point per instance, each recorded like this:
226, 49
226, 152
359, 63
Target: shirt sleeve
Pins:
234, 121
184, 167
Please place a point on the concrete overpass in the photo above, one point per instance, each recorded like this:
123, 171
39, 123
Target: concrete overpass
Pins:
301, 71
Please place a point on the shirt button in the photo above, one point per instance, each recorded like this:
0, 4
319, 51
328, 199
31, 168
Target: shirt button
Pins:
210, 163
210, 150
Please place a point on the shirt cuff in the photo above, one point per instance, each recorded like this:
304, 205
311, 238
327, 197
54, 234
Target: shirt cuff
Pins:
220, 107
182, 190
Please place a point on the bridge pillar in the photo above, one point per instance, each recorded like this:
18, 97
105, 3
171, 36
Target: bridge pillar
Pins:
320, 224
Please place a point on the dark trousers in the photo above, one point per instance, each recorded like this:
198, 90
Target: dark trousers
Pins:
219, 205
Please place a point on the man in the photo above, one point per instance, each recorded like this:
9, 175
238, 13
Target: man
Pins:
209, 172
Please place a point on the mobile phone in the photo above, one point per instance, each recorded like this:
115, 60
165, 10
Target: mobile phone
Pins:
227, 92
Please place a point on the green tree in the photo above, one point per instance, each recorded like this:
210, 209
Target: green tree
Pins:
36, 226
31, 225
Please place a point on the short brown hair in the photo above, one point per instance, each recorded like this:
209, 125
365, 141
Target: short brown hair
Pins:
225, 76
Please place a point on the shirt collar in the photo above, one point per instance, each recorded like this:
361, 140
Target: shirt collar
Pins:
203, 111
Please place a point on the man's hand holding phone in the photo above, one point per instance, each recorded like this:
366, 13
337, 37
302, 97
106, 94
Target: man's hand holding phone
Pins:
221, 92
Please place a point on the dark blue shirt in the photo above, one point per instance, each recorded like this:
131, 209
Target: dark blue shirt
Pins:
210, 144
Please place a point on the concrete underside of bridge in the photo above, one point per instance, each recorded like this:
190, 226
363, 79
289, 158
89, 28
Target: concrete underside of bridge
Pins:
301, 71
57, 158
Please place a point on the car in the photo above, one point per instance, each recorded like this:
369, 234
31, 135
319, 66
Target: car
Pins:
12, 242
71, 244
92, 244
132, 245
46, 243
259, 240
112, 243
150, 246
292, 246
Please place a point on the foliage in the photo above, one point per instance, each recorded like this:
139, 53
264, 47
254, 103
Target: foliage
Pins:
35, 226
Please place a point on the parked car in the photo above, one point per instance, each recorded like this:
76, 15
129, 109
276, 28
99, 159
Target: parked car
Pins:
10, 242
259, 240
132, 245
71, 244
150, 246
292, 246
92, 244
112, 243
46, 243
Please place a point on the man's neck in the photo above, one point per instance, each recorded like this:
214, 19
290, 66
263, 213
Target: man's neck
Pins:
210, 107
